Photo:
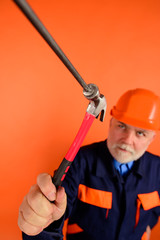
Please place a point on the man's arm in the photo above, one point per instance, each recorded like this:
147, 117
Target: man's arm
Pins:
36, 211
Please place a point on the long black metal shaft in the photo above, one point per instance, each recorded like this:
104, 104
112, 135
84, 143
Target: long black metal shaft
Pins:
29, 13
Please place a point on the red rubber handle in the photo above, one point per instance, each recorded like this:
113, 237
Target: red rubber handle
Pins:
69, 157
85, 126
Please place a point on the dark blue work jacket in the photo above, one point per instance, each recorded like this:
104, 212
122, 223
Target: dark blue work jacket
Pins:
103, 205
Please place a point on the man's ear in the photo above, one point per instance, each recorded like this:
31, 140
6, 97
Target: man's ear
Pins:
110, 123
153, 137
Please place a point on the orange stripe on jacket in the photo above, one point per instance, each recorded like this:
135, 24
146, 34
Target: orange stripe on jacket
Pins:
137, 212
73, 228
144, 237
95, 197
148, 201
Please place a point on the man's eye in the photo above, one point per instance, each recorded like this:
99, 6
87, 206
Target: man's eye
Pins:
121, 126
139, 133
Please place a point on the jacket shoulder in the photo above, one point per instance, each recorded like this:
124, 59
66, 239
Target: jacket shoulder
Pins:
152, 156
93, 147
151, 161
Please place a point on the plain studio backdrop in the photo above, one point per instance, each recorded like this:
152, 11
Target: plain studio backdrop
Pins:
114, 44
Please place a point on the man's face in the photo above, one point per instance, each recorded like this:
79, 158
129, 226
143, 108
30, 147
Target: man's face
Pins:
127, 143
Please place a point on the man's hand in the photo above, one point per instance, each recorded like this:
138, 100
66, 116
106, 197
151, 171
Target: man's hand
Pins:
36, 211
148, 231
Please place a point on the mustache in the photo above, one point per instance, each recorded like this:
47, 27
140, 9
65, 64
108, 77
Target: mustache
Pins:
124, 147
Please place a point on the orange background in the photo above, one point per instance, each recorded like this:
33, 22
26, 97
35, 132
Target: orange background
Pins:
114, 44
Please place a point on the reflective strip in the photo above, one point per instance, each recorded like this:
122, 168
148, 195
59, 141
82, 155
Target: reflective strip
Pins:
95, 197
73, 228
137, 212
144, 237
148, 201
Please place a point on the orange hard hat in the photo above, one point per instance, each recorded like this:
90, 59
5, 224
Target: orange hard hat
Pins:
140, 108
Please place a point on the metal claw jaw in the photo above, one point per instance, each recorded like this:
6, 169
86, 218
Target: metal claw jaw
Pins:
98, 104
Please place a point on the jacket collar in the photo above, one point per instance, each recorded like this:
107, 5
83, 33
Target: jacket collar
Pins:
138, 167
105, 162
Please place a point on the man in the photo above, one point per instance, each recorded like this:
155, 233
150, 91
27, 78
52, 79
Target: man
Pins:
112, 188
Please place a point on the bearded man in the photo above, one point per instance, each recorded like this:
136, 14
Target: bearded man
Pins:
112, 189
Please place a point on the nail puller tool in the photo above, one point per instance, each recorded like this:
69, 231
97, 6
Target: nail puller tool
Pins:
97, 102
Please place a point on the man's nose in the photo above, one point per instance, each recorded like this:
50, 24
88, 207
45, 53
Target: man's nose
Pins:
128, 137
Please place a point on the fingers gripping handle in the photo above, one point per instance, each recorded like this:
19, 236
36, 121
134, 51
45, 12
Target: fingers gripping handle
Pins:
60, 173
69, 157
